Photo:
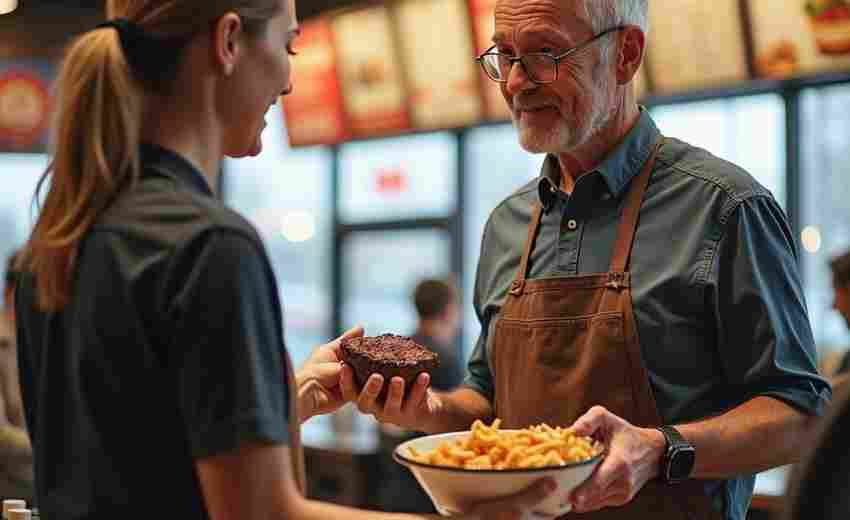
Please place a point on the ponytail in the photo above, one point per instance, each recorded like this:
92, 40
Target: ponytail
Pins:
95, 154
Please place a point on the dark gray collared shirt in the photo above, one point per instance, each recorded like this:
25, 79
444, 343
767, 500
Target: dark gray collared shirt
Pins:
716, 289
170, 350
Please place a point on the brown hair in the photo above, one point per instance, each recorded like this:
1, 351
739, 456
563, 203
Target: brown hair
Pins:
432, 296
840, 266
97, 127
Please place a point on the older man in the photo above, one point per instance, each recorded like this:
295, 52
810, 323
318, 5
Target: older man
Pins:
641, 288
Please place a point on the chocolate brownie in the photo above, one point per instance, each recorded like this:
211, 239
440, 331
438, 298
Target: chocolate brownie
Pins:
389, 355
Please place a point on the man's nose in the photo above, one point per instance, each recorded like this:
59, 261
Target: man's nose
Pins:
518, 79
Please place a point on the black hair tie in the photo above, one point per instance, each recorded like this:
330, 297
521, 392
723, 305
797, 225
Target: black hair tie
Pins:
151, 58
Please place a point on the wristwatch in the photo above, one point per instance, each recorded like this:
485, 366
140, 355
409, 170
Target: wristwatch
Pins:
677, 463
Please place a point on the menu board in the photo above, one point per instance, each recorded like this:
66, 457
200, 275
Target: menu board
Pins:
371, 75
695, 44
483, 26
24, 105
314, 110
438, 56
799, 36
398, 178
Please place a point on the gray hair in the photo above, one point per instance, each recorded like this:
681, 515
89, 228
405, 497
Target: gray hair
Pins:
605, 14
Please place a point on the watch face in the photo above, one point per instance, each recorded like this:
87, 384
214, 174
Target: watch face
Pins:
682, 463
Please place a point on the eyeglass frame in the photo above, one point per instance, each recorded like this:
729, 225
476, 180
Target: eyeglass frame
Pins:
556, 60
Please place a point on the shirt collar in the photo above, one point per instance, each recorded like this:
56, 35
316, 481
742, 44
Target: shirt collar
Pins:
618, 168
158, 160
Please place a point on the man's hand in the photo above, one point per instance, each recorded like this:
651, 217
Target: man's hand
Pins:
318, 381
633, 457
411, 412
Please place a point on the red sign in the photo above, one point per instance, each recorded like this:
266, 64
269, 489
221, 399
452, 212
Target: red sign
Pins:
483, 24
24, 109
314, 110
391, 181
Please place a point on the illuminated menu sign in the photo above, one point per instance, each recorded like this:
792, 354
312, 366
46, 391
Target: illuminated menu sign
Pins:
371, 76
314, 110
695, 44
24, 105
798, 36
483, 26
438, 55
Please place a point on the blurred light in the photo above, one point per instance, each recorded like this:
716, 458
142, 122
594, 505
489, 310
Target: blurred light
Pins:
298, 226
7, 6
811, 239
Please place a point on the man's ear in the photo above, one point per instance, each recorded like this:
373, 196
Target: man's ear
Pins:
631, 53
228, 42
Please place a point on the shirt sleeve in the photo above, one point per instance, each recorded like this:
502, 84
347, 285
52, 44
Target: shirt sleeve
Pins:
764, 337
227, 351
479, 377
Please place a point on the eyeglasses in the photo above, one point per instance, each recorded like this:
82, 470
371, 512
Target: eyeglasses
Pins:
541, 67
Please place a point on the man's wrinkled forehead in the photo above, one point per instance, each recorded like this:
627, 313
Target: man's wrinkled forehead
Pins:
516, 16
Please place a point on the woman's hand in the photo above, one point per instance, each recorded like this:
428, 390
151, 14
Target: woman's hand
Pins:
318, 381
519, 506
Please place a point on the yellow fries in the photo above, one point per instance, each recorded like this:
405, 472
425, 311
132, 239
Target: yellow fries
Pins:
488, 447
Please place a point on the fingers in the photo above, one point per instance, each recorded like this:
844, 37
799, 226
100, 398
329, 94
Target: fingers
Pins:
534, 494
609, 471
593, 421
347, 385
354, 332
327, 374
417, 393
615, 498
366, 402
395, 397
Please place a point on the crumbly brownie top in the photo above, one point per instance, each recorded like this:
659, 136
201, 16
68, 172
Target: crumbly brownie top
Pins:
389, 349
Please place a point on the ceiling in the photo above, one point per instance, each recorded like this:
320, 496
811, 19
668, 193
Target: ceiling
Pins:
306, 8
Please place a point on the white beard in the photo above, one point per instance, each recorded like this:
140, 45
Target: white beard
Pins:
543, 140
563, 137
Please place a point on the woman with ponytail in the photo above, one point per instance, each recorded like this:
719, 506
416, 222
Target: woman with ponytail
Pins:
154, 374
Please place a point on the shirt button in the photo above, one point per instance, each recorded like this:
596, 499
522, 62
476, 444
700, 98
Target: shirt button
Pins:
572, 225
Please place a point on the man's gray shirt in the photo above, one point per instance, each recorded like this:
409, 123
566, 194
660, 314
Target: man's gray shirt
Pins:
716, 289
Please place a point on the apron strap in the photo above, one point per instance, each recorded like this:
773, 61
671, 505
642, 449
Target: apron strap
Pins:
522, 274
628, 223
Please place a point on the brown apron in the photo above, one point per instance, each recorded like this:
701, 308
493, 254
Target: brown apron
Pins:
565, 344
296, 451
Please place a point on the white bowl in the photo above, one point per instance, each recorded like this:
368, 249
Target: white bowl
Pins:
453, 490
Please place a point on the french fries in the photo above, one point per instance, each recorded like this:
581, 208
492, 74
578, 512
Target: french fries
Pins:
488, 447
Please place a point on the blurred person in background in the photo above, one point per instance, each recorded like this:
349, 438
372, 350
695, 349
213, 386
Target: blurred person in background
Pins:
155, 378
840, 267
16, 474
819, 487
437, 306
640, 289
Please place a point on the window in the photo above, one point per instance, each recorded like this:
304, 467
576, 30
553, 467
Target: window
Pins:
21, 173
286, 194
825, 192
399, 178
496, 166
380, 271
748, 131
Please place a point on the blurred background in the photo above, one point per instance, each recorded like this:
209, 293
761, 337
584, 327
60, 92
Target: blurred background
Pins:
382, 167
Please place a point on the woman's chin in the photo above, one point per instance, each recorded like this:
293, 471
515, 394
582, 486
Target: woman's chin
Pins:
254, 150
257, 147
